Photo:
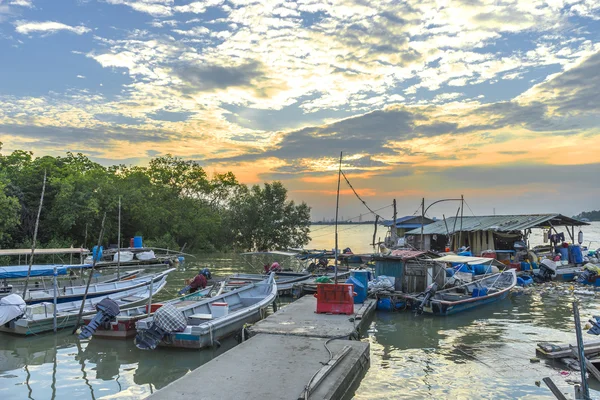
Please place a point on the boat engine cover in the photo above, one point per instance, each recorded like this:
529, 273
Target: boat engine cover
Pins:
170, 319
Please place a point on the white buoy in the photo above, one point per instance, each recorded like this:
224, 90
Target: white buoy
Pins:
580, 237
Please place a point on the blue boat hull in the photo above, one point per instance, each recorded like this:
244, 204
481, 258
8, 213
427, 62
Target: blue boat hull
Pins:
441, 308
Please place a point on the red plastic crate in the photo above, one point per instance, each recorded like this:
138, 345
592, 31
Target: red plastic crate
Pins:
335, 298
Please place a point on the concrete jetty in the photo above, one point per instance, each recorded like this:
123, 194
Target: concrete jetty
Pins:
288, 352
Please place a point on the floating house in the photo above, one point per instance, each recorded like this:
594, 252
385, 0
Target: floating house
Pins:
403, 225
492, 233
413, 271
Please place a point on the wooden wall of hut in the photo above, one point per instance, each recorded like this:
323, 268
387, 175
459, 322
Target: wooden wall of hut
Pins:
417, 276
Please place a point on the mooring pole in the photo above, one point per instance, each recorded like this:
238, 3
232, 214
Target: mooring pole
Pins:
581, 351
150, 297
94, 260
462, 205
119, 244
35, 231
337, 207
422, 223
55, 299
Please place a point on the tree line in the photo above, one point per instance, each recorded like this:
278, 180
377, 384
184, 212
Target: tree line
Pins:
591, 215
171, 202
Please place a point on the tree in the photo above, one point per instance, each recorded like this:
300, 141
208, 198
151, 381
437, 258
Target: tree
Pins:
9, 213
263, 219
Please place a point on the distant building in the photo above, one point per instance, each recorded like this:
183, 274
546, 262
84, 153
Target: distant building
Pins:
488, 232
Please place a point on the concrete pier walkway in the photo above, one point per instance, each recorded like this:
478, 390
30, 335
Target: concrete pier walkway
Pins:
287, 351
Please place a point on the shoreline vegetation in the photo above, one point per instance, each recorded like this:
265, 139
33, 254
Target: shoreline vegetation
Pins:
171, 203
593, 216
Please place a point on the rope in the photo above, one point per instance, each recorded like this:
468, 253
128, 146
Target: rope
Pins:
358, 196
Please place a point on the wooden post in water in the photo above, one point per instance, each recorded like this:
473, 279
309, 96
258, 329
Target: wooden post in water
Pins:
422, 223
395, 230
375, 233
119, 244
581, 351
94, 259
462, 205
35, 231
337, 207
55, 299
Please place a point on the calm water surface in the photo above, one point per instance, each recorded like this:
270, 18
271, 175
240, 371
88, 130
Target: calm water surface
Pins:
479, 354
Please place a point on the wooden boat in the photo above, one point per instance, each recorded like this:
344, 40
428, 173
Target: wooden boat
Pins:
38, 318
75, 293
451, 301
285, 280
124, 324
6, 288
200, 325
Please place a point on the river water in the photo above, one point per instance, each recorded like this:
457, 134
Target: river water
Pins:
482, 353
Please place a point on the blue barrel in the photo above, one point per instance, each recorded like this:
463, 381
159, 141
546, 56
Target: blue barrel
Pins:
362, 276
480, 269
525, 266
361, 291
564, 253
97, 253
576, 254
384, 305
137, 242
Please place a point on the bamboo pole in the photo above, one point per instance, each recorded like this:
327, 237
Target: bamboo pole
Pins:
35, 231
337, 207
94, 259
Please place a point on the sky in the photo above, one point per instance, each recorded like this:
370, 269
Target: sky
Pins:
496, 100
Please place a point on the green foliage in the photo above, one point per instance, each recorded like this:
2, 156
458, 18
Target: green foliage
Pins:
171, 202
591, 215
263, 218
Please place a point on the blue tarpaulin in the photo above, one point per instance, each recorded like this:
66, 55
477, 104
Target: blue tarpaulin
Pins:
20, 271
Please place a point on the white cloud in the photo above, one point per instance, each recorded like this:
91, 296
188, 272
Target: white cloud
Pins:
22, 3
81, 76
27, 27
157, 8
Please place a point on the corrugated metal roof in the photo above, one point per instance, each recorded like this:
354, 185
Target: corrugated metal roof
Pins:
498, 223
400, 221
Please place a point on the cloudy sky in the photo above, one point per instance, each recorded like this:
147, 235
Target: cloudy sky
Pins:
498, 100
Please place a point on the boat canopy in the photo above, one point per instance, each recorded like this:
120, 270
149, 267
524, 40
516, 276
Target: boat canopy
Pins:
20, 271
467, 260
26, 252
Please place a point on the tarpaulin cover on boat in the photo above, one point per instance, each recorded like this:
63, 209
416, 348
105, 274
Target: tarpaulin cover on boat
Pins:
20, 271
467, 260
11, 307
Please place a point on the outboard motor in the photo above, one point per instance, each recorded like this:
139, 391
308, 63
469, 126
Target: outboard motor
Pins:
547, 271
167, 319
12, 307
107, 309
429, 292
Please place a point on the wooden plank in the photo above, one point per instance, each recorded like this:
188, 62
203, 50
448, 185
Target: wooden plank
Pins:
549, 350
555, 390
593, 370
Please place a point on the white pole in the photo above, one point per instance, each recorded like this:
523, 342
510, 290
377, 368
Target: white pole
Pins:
55, 299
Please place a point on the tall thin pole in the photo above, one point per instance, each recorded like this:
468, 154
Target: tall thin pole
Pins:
35, 231
454, 247
55, 299
462, 206
422, 223
150, 296
119, 244
337, 207
581, 352
94, 259
395, 229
